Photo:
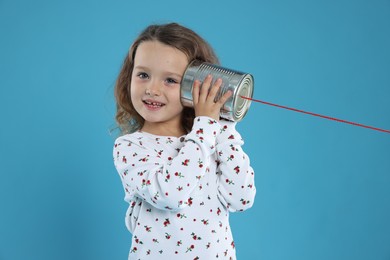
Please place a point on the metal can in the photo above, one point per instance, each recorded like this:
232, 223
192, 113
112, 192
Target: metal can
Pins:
241, 84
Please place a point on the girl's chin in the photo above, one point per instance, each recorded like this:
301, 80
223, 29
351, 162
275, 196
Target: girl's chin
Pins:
152, 117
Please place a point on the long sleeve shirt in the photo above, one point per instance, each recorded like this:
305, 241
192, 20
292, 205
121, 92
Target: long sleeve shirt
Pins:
180, 190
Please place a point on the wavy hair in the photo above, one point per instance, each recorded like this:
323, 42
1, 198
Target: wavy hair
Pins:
171, 34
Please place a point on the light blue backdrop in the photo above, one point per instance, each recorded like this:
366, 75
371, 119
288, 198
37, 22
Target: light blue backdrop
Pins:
323, 187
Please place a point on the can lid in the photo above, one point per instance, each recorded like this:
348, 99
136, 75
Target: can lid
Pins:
242, 105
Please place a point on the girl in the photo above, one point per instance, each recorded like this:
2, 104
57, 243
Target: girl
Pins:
182, 169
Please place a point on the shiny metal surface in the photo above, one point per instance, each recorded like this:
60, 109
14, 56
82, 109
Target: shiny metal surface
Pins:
241, 84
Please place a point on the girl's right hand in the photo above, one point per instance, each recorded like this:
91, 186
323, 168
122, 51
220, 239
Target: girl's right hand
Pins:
204, 96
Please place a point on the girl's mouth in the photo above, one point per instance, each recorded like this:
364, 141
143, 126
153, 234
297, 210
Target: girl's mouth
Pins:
153, 104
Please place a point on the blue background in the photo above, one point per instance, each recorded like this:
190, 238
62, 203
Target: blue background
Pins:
323, 187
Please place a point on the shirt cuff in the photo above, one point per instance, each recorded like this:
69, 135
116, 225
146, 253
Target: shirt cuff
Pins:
204, 131
228, 132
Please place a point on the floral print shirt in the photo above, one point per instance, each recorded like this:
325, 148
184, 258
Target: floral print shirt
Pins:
180, 190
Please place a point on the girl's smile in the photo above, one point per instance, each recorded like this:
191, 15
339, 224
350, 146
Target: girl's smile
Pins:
153, 105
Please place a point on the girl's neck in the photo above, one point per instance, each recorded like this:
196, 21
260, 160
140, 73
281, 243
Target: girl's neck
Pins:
163, 130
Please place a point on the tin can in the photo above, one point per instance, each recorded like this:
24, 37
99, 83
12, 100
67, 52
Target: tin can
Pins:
241, 84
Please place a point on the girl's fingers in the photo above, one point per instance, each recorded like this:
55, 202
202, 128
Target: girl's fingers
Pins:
204, 91
214, 90
195, 92
225, 97
205, 97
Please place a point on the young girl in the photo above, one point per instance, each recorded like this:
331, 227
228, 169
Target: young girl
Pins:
182, 169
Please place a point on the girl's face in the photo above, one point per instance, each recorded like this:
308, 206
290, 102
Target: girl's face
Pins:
155, 87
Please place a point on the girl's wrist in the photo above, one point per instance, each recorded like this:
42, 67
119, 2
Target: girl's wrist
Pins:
204, 131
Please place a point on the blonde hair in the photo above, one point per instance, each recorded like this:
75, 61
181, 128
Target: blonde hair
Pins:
174, 35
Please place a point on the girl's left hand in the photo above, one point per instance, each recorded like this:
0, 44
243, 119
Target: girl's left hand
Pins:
204, 98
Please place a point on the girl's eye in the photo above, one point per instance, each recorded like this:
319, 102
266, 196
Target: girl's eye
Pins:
171, 81
142, 75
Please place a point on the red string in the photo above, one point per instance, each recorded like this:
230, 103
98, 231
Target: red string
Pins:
317, 115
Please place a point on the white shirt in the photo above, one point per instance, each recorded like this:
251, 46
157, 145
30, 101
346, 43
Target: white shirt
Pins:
181, 190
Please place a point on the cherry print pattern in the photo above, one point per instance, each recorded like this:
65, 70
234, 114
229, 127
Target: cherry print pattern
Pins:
180, 190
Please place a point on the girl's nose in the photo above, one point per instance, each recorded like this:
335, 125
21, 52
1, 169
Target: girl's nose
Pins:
154, 89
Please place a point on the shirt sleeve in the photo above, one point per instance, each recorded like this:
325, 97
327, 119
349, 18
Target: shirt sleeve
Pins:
166, 184
236, 186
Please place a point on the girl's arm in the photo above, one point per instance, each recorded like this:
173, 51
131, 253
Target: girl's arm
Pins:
236, 181
166, 184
